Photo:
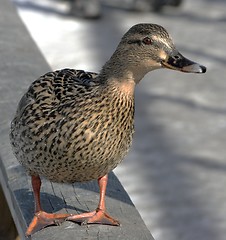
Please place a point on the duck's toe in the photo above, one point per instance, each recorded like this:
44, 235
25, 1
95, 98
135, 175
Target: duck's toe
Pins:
43, 219
98, 216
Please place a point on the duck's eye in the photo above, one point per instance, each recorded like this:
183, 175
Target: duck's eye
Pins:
147, 41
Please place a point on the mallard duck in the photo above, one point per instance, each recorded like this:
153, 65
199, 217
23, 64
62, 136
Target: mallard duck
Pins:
74, 126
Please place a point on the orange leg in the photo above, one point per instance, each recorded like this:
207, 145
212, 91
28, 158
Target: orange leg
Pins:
41, 218
99, 215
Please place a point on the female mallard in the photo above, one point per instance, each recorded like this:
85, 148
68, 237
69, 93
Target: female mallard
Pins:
75, 126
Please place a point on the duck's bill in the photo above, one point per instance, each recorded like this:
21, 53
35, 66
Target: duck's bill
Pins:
180, 63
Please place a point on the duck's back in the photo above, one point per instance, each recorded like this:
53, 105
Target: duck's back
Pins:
70, 127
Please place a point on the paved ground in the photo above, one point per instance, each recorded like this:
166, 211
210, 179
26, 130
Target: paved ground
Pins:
175, 172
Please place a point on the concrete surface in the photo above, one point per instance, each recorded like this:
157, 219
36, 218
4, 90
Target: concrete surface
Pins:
175, 172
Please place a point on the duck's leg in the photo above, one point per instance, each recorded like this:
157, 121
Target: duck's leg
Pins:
41, 218
99, 215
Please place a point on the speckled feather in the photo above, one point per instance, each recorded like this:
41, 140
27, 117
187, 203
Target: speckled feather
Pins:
71, 127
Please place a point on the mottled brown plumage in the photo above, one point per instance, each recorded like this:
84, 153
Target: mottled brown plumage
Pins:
74, 126
65, 123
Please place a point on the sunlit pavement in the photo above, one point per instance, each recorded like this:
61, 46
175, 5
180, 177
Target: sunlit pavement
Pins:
176, 170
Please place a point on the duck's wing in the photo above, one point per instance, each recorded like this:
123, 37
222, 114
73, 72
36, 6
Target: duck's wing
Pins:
58, 87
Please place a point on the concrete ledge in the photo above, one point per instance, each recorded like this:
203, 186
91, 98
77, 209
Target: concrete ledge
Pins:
21, 63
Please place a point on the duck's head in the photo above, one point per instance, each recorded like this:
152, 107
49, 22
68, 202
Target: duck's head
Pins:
147, 47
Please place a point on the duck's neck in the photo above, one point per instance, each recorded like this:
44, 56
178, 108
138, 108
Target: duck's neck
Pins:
123, 67
118, 80
117, 76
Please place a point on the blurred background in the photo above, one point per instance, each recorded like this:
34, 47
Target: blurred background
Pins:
175, 172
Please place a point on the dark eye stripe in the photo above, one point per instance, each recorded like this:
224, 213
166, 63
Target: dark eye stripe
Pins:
134, 42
